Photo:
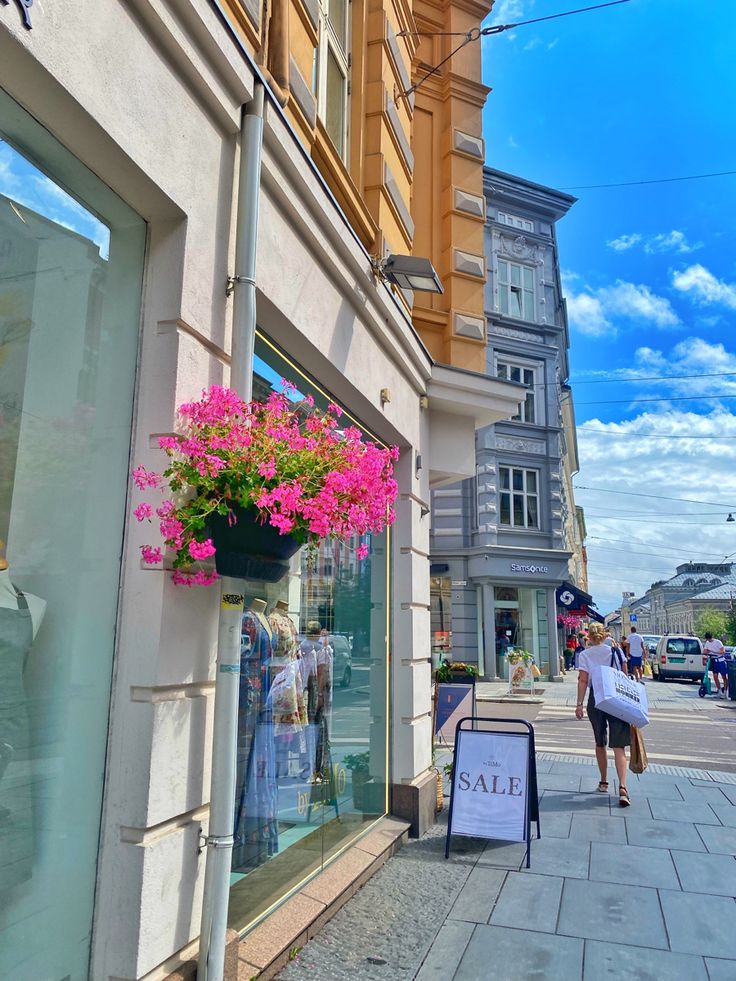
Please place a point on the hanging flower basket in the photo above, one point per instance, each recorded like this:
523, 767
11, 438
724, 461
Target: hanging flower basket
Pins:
247, 548
250, 482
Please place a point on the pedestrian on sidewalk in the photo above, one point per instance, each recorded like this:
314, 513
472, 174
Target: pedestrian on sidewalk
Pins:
598, 653
579, 649
717, 652
634, 648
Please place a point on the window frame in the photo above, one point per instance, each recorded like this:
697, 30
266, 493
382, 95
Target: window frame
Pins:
524, 494
531, 396
330, 45
515, 221
521, 290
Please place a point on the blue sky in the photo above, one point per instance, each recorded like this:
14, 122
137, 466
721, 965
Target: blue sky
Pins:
641, 91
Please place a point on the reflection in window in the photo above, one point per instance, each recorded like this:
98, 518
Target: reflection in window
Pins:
312, 730
70, 281
519, 497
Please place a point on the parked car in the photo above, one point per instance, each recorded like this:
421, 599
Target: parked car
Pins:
651, 640
679, 656
342, 660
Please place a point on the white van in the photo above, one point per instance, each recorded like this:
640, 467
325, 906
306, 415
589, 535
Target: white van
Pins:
679, 656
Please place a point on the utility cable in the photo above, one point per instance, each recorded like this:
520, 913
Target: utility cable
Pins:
673, 398
477, 32
658, 180
657, 497
605, 432
634, 541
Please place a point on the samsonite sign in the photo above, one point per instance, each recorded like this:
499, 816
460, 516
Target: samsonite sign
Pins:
490, 785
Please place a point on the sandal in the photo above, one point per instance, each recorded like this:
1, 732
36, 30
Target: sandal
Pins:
602, 786
623, 797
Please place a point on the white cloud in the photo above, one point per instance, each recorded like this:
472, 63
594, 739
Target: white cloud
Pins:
674, 241
704, 287
509, 11
512, 142
624, 242
614, 458
593, 312
553, 44
586, 314
534, 43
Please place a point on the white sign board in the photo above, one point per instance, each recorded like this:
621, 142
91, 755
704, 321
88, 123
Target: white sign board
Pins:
490, 785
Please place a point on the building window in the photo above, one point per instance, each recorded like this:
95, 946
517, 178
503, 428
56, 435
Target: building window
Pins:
515, 222
524, 375
516, 290
519, 497
333, 71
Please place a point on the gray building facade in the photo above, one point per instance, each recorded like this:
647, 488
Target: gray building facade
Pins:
499, 541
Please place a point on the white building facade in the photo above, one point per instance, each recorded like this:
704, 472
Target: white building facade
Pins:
118, 188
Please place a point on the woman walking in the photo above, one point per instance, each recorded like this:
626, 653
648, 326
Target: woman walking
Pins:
597, 653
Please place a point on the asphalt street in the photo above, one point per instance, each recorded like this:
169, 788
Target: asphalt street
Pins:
684, 730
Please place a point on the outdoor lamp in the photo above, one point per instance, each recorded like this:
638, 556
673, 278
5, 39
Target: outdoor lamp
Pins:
730, 518
409, 272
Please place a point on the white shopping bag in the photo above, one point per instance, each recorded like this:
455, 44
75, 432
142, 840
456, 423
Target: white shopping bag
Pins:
621, 697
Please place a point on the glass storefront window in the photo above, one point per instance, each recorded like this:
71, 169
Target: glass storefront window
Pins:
313, 711
440, 599
71, 262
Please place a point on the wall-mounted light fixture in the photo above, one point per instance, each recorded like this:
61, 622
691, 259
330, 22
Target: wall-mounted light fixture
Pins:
423, 401
730, 518
418, 465
385, 395
408, 272
423, 511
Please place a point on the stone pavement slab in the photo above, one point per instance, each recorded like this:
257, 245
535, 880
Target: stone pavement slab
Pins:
559, 781
600, 910
620, 962
447, 951
597, 827
635, 865
698, 924
708, 795
711, 874
529, 900
688, 811
507, 855
553, 800
554, 824
505, 954
722, 841
663, 834
478, 896
726, 814
720, 970
557, 856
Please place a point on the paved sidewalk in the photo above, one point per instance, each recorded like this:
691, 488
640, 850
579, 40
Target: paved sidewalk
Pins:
660, 695
638, 894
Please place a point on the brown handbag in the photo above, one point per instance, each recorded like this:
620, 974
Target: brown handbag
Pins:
638, 761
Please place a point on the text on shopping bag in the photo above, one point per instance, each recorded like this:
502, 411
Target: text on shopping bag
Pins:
620, 696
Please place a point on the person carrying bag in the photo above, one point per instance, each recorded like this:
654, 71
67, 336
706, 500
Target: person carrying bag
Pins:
596, 655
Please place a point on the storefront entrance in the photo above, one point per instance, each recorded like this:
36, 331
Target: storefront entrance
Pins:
520, 621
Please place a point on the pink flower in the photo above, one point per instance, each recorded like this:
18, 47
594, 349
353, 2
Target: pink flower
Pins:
143, 511
145, 478
168, 442
151, 556
334, 409
201, 550
268, 468
362, 551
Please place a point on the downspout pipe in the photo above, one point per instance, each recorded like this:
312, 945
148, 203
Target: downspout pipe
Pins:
219, 838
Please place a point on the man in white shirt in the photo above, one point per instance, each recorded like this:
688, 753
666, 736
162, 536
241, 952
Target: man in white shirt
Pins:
717, 654
634, 647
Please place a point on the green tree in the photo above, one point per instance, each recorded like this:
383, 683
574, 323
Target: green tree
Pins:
731, 625
712, 621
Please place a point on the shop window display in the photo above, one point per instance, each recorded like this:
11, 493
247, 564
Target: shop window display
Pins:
313, 700
71, 263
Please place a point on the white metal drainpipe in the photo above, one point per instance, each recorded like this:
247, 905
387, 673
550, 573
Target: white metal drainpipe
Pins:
219, 840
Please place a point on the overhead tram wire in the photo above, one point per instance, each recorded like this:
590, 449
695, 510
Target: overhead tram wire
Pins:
478, 32
657, 497
633, 541
657, 180
605, 432
671, 398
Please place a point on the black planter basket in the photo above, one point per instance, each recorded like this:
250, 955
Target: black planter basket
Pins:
248, 549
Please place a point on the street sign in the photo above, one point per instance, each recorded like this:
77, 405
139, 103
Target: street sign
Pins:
632, 617
494, 782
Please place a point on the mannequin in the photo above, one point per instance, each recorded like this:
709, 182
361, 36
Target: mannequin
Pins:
256, 827
20, 619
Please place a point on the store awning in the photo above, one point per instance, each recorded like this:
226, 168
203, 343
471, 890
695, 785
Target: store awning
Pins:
569, 597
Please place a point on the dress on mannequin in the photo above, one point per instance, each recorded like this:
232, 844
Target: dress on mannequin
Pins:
256, 827
20, 618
